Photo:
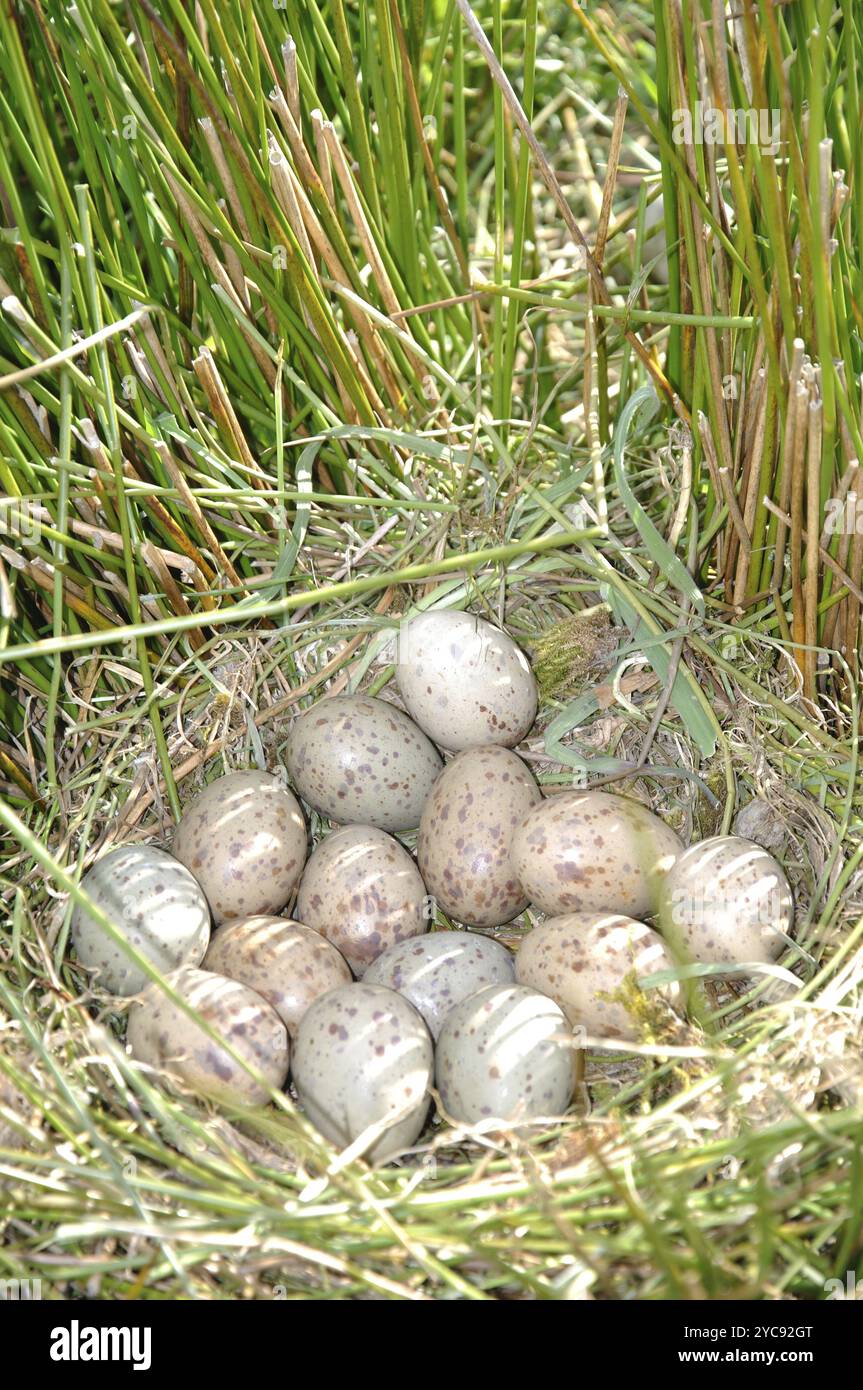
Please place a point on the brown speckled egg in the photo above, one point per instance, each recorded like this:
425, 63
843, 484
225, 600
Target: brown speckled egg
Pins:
157, 905
244, 839
465, 839
465, 681
593, 852
726, 901
505, 1053
363, 1057
362, 761
287, 963
583, 959
436, 972
363, 892
163, 1036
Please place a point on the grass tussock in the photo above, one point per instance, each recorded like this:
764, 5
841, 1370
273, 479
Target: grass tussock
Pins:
309, 320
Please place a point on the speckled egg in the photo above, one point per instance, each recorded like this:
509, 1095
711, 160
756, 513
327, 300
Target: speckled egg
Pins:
363, 892
287, 963
589, 963
436, 972
362, 761
465, 681
363, 1057
505, 1053
163, 1036
157, 905
244, 839
464, 848
593, 852
726, 901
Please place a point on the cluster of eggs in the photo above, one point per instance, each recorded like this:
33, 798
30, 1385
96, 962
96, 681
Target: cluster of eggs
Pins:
352, 994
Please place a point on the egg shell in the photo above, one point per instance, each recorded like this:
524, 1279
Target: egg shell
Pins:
593, 852
465, 682
362, 761
505, 1053
287, 963
364, 1057
244, 839
158, 906
726, 901
436, 972
363, 892
465, 836
582, 960
163, 1036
